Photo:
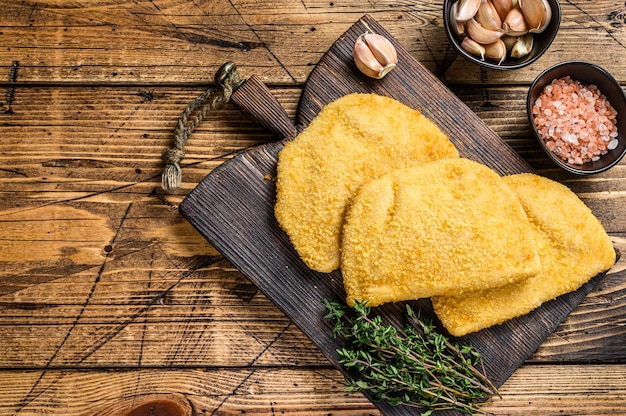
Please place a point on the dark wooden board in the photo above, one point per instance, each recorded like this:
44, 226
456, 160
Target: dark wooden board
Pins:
233, 208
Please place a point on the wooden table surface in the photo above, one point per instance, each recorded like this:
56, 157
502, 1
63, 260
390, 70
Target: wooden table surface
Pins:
111, 301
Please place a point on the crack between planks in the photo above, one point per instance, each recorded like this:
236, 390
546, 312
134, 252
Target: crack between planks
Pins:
186, 329
204, 262
143, 339
594, 20
252, 371
29, 397
130, 185
256, 35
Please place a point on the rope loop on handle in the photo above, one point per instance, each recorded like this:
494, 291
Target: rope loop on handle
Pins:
228, 79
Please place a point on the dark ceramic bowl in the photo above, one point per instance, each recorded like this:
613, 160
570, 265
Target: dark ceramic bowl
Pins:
542, 41
586, 73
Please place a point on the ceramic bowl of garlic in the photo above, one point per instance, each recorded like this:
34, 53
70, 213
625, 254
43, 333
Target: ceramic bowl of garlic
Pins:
501, 34
577, 113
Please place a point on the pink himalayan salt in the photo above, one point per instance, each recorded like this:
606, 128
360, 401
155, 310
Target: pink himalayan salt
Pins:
576, 121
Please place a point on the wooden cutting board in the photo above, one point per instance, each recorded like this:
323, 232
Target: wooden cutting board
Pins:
233, 208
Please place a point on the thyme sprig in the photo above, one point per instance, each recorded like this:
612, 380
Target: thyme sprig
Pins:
419, 367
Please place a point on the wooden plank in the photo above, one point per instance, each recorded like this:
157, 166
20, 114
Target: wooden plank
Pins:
218, 317
179, 42
190, 329
142, 307
191, 335
536, 390
106, 127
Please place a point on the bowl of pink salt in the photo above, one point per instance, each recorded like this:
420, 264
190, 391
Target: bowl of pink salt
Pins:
577, 112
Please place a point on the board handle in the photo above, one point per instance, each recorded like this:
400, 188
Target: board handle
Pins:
256, 101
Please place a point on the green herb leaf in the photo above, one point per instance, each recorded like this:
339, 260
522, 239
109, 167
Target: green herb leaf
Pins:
418, 367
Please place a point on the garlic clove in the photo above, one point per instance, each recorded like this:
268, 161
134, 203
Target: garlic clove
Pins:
523, 46
488, 16
503, 7
374, 55
458, 28
365, 60
514, 24
537, 14
496, 51
382, 48
467, 9
509, 41
473, 47
481, 34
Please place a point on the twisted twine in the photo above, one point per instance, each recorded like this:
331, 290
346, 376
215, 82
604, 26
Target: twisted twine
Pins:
228, 80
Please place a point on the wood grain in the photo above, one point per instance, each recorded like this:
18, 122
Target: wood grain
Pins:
138, 317
179, 42
537, 390
108, 297
155, 239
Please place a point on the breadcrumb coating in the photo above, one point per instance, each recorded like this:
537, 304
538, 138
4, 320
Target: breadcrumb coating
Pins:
572, 245
353, 140
444, 227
